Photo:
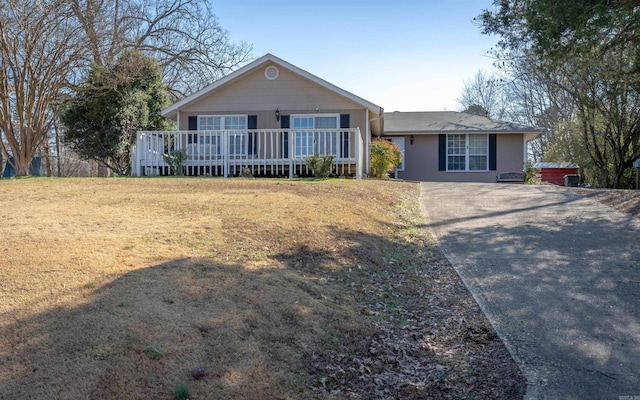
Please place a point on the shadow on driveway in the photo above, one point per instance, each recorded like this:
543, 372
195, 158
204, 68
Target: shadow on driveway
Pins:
558, 276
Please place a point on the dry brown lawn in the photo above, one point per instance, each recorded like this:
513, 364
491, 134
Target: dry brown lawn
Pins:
236, 288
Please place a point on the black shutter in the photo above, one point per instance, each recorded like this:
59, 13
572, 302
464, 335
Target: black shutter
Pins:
344, 136
193, 123
442, 152
285, 123
252, 123
193, 126
492, 151
344, 121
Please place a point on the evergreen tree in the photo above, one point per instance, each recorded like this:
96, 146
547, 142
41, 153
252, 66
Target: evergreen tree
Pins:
113, 104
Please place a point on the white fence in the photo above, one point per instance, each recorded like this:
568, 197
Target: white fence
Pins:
262, 152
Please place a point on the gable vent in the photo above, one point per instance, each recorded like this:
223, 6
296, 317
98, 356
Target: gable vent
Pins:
271, 72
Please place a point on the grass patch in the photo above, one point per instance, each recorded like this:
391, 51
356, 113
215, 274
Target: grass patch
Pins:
181, 392
277, 289
154, 351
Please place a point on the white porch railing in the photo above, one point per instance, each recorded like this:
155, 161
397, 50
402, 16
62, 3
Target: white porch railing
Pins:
263, 152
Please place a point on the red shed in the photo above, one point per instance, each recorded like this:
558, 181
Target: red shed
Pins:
554, 172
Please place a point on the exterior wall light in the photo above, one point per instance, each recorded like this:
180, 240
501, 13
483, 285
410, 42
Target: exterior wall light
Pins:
411, 139
277, 115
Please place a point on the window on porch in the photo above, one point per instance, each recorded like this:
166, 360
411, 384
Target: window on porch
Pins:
310, 138
237, 140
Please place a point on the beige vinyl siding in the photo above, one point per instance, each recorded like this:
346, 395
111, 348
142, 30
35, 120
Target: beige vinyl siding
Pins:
254, 92
510, 153
421, 160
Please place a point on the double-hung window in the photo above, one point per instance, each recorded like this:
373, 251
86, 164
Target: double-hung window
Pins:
316, 134
303, 127
208, 139
467, 152
236, 125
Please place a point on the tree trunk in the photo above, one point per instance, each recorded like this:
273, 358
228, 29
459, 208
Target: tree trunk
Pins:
47, 157
21, 163
58, 150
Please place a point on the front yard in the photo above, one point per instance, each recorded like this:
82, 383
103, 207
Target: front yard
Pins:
236, 288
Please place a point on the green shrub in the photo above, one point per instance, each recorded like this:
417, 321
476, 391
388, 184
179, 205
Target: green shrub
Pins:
176, 161
531, 174
385, 156
245, 173
321, 165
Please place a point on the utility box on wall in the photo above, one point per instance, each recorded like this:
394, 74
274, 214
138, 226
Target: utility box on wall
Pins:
554, 172
571, 180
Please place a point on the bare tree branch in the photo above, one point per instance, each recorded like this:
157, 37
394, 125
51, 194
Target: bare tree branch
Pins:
183, 35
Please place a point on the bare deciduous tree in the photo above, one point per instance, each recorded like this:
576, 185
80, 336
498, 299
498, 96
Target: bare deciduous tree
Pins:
39, 49
517, 92
534, 101
184, 36
484, 91
47, 47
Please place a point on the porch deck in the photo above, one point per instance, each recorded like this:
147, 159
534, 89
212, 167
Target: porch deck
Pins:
273, 152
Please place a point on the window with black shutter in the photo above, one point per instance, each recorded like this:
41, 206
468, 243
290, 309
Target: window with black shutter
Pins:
465, 152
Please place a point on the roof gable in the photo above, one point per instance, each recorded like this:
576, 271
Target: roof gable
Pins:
172, 110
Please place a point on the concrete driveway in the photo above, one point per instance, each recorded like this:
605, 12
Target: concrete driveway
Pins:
558, 276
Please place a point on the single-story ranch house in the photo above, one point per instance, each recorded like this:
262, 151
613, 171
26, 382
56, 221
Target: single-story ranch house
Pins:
269, 116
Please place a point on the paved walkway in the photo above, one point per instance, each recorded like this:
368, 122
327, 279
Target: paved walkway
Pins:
558, 276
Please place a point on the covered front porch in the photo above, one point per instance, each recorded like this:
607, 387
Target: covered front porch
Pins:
259, 152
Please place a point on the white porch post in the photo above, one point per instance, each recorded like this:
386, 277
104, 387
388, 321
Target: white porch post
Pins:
135, 161
225, 153
359, 156
366, 142
292, 163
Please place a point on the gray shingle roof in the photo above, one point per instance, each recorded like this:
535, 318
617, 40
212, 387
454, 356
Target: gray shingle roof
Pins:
433, 122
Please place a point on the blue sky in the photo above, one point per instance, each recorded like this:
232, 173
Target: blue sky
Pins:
403, 55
